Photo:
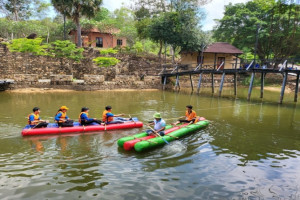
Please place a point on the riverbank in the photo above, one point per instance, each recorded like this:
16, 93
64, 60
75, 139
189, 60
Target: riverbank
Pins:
53, 90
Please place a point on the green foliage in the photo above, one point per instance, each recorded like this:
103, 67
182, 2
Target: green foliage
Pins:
247, 80
25, 45
279, 30
137, 47
106, 61
65, 49
108, 51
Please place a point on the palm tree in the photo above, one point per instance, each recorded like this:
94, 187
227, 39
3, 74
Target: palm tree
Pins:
75, 9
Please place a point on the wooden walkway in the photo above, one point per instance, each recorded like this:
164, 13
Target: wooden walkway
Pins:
285, 72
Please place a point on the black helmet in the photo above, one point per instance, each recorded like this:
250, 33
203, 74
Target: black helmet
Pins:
35, 109
84, 109
107, 107
189, 106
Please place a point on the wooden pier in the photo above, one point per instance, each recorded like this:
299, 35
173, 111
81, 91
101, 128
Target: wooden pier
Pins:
234, 72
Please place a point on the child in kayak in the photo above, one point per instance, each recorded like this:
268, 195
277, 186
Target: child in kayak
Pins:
34, 119
159, 125
62, 118
84, 117
109, 118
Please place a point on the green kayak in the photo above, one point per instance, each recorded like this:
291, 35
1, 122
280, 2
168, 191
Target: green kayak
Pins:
122, 140
158, 141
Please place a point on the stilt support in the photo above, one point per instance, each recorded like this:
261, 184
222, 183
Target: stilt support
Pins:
297, 88
262, 84
212, 83
165, 82
199, 83
283, 87
221, 84
235, 83
251, 86
191, 82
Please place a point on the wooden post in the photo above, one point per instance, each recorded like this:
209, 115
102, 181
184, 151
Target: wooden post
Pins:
250, 86
221, 84
262, 84
283, 87
212, 76
212, 83
235, 83
199, 82
165, 82
177, 86
297, 88
191, 82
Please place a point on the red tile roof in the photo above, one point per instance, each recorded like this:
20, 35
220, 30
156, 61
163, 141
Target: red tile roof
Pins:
222, 47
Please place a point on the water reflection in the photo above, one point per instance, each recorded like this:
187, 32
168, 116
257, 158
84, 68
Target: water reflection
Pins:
249, 151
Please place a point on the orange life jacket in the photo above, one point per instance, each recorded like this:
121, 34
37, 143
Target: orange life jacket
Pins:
79, 119
36, 117
62, 117
105, 118
190, 116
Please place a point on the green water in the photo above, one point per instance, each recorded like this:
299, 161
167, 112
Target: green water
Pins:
251, 150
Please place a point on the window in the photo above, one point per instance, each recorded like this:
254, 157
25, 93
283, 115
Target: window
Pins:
119, 42
99, 42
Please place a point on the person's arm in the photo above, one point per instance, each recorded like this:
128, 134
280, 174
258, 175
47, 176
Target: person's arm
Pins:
32, 121
119, 115
57, 117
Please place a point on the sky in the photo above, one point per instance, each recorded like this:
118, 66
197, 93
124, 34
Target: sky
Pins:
213, 10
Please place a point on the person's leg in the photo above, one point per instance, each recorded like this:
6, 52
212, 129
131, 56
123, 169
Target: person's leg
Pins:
149, 132
120, 119
41, 125
162, 133
116, 122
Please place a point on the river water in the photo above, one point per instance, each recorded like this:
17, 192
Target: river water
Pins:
251, 149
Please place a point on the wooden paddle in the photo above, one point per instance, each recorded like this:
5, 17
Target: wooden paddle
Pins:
158, 135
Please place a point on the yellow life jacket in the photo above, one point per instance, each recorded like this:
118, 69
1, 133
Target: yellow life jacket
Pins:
62, 117
36, 117
106, 119
79, 118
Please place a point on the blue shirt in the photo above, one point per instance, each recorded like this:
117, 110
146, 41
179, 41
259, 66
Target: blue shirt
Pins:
85, 117
159, 124
57, 117
31, 118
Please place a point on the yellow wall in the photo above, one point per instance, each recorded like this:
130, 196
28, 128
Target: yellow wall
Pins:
191, 59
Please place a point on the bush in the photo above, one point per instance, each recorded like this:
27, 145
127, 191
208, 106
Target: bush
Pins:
106, 61
108, 51
25, 45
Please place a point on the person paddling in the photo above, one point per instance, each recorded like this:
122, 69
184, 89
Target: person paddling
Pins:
159, 125
62, 118
34, 119
190, 116
109, 118
84, 117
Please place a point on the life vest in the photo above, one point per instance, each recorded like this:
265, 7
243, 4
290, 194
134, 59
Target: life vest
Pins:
36, 117
190, 116
105, 118
79, 119
62, 117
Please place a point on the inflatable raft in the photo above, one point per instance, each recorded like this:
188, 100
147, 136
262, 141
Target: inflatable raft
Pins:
52, 128
142, 141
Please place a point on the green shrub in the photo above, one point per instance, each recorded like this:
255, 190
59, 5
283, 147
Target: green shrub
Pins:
25, 45
108, 51
106, 61
66, 49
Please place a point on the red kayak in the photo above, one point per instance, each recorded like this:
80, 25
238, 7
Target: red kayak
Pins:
53, 129
130, 144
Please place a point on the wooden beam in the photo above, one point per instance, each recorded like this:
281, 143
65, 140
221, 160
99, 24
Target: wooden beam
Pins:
251, 86
285, 75
199, 83
297, 88
191, 82
235, 83
262, 84
212, 83
221, 84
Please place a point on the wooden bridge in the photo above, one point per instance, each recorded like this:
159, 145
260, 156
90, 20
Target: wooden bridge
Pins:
286, 71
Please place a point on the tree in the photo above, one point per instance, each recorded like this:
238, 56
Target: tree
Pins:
278, 23
75, 9
18, 9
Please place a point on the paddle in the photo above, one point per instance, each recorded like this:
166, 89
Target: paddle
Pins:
158, 135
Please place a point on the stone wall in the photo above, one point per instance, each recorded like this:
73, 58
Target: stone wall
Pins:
28, 70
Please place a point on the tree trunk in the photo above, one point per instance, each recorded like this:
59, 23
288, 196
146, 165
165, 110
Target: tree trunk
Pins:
79, 42
65, 37
160, 48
